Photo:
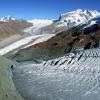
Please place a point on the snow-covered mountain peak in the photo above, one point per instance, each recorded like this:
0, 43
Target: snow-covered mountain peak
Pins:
90, 13
78, 16
7, 19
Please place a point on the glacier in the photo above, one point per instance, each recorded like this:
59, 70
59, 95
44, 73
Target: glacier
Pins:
72, 77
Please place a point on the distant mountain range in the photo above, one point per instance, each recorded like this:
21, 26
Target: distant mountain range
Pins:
71, 19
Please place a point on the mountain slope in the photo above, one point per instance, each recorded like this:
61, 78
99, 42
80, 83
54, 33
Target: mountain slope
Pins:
11, 31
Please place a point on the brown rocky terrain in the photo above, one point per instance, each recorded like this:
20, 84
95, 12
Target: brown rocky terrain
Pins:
73, 38
10, 28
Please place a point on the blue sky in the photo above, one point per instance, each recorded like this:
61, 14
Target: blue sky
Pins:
44, 9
